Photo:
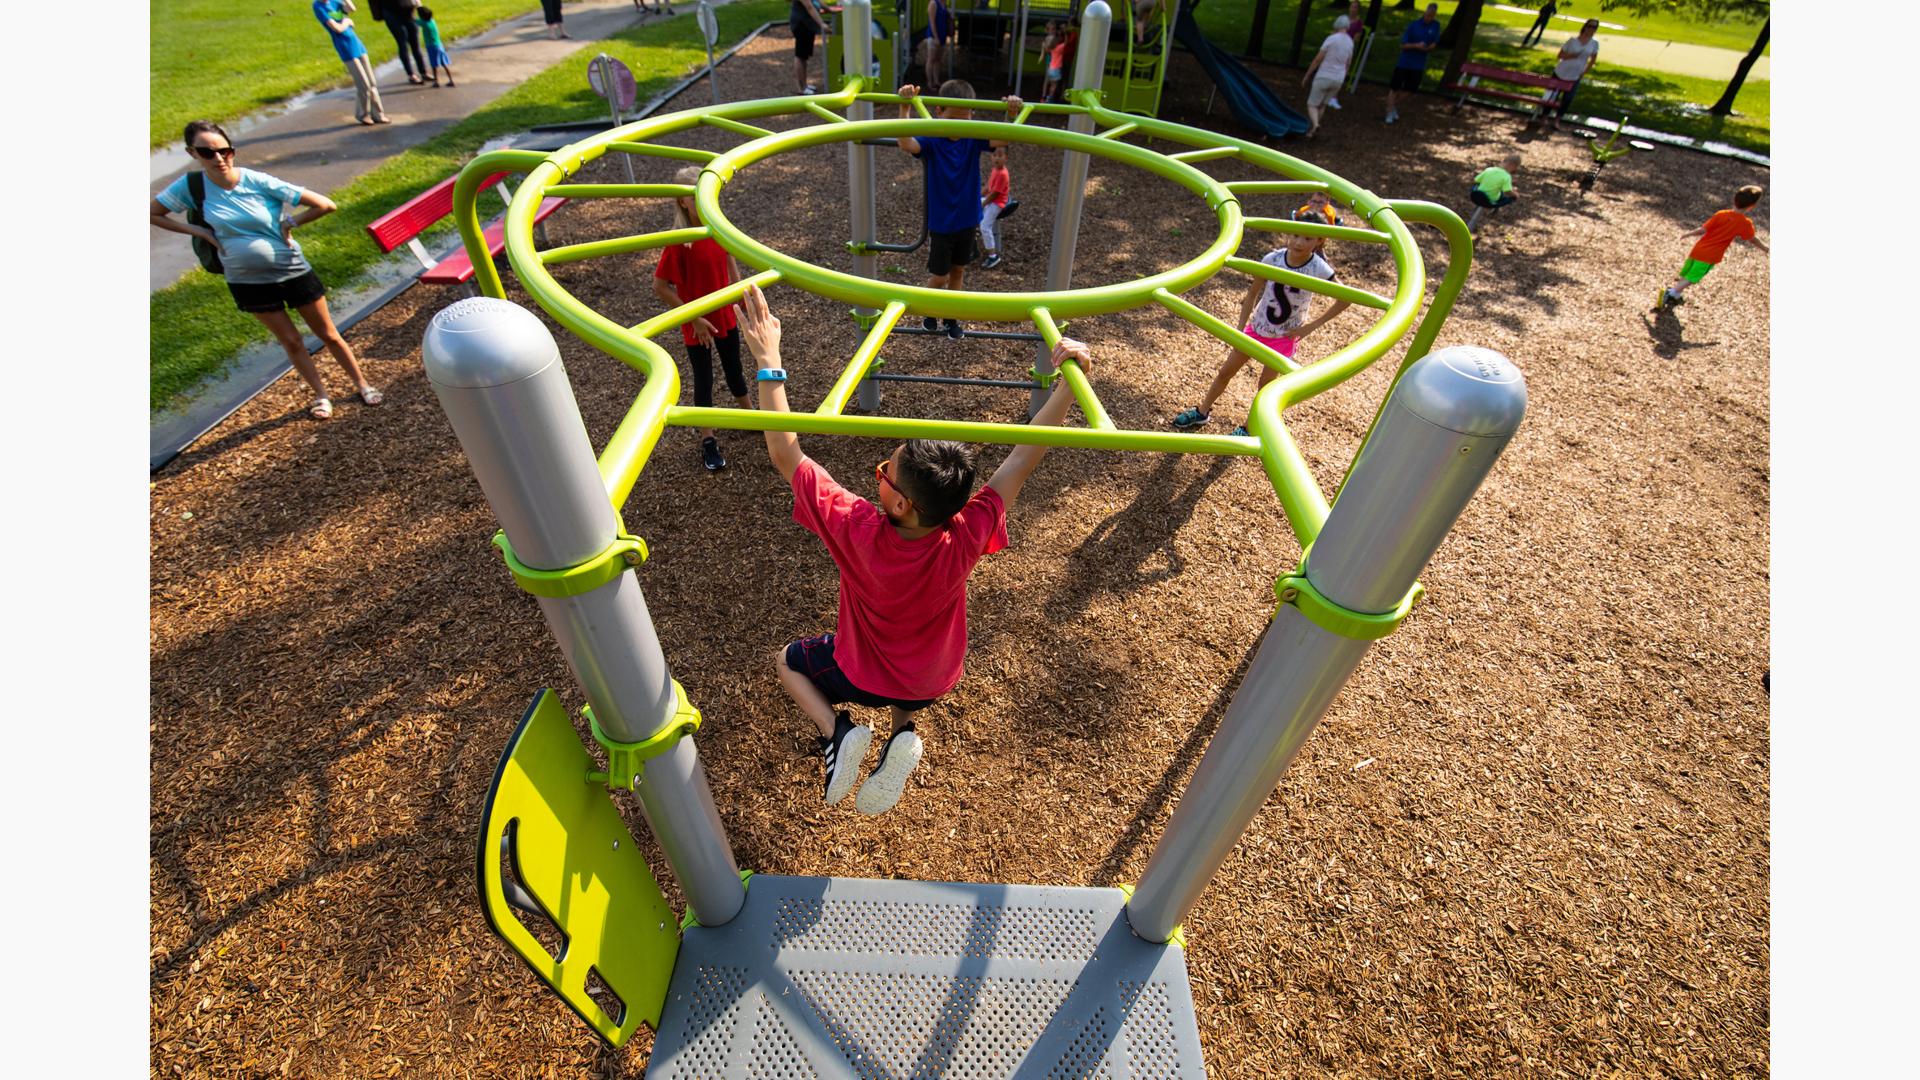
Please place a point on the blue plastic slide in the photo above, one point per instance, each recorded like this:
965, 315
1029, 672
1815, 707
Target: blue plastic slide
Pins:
1251, 102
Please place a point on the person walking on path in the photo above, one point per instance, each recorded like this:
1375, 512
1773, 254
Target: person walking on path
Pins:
1576, 59
366, 96
1416, 44
556, 26
1327, 72
398, 15
436, 52
246, 217
1539, 31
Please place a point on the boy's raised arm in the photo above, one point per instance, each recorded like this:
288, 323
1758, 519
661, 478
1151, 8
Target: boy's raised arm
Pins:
761, 331
1013, 472
907, 142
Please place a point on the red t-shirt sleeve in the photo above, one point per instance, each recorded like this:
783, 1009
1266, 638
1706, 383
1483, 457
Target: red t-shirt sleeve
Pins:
1746, 228
981, 525
820, 504
669, 268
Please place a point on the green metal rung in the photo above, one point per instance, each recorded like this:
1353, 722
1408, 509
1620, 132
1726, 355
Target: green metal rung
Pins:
573, 863
626, 760
615, 559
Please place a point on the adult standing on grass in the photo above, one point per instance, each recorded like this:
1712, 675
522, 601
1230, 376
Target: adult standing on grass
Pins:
806, 22
1328, 70
398, 15
366, 96
1539, 31
556, 26
247, 220
1576, 59
1416, 44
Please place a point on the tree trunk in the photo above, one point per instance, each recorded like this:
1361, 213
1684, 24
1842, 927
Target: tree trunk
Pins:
1257, 37
1373, 15
1466, 19
1300, 31
1724, 107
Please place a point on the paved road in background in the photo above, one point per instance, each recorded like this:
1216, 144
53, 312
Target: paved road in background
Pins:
317, 144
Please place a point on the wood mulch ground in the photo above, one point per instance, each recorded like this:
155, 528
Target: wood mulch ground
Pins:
1530, 838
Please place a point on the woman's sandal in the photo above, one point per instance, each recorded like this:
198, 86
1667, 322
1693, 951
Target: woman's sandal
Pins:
371, 396
321, 409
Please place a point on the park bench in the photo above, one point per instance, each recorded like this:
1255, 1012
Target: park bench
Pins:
405, 223
1471, 76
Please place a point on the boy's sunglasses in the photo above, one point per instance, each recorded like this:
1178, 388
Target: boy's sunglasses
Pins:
211, 152
881, 472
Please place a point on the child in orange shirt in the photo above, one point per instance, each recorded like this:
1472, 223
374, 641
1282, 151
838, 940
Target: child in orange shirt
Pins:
1718, 234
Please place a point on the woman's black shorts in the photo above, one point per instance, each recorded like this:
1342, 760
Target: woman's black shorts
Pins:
804, 33
1406, 78
278, 295
813, 657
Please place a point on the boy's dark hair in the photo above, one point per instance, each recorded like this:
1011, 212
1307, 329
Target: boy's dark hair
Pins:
956, 88
938, 476
1747, 196
425, 12
196, 127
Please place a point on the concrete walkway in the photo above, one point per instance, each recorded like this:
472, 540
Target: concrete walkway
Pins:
316, 143
1647, 54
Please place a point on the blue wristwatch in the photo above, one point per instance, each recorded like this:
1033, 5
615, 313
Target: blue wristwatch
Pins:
770, 374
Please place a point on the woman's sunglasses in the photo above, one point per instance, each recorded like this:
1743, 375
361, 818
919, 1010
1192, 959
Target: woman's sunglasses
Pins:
210, 152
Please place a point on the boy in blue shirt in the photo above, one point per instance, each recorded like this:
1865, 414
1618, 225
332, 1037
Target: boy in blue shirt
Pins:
953, 190
1415, 46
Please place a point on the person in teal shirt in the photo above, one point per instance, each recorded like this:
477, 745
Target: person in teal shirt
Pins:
436, 52
332, 15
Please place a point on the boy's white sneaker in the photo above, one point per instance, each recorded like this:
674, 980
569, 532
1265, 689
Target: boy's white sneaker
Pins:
897, 760
844, 752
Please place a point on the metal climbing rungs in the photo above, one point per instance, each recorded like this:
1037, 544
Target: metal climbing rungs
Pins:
833, 977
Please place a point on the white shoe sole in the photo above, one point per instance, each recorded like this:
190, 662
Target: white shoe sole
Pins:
882, 790
853, 751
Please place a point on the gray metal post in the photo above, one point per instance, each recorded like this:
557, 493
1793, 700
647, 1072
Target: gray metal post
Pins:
1449, 418
497, 372
856, 44
1096, 22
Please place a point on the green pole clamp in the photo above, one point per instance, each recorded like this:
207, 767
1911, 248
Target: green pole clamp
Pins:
859, 247
1044, 378
688, 921
864, 322
618, 557
625, 760
1179, 935
1296, 590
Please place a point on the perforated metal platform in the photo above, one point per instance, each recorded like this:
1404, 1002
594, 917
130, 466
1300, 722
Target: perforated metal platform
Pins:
832, 977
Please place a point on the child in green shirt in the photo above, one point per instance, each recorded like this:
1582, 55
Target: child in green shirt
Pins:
436, 52
1493, 188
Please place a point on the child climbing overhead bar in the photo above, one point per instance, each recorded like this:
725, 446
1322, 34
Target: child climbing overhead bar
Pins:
953, 190
904, 559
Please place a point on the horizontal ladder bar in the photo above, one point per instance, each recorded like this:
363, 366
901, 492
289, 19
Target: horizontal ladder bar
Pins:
1309, 228
1275, 187
824, 113
1233, 336
1118, 133
593, 249
1298, 280
956, 380
678, 153
621, 191
996, 335
863, 358
1206, 153
735, 126
896, 427
1077, 383
704, 305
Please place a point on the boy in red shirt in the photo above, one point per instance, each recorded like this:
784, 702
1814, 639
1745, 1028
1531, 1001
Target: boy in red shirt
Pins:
902, 628
689, 272
1719, 233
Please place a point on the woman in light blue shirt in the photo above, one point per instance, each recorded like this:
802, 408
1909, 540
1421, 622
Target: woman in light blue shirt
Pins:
249, 220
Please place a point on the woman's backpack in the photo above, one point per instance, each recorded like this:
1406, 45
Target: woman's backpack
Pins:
203, 249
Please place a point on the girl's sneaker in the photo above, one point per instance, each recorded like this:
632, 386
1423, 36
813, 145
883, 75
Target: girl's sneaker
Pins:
710, 454
993, 260
844, 753
897, 759
1240, 432
1189, 418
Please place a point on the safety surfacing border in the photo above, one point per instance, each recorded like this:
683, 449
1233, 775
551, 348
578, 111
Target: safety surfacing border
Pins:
838, 977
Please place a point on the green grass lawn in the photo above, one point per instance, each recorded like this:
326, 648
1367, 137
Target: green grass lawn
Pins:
1652, 99
223, 59
194, 330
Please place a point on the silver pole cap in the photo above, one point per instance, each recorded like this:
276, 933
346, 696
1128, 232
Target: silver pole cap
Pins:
1467, 389
480, 342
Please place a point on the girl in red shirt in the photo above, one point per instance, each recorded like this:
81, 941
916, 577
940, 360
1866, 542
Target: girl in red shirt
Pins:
688, 272
992, 205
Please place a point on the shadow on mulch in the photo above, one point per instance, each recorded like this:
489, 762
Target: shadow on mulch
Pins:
1530, 837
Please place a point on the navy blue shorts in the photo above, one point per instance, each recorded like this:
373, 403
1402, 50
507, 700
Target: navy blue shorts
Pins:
813, 657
